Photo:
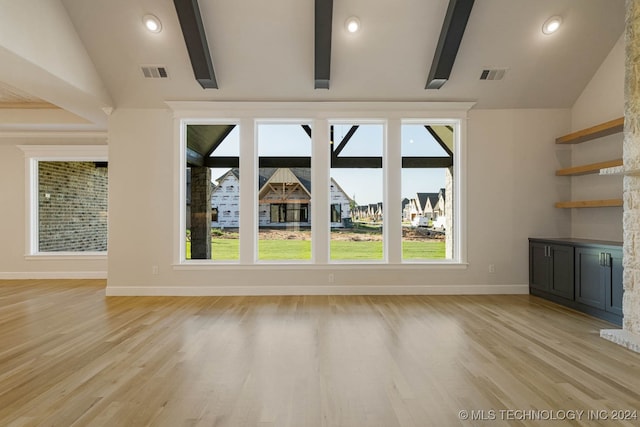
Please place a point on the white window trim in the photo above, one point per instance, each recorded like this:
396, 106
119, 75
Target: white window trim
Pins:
248, 114
53, 153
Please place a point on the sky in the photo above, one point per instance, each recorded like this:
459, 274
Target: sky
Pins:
365, 185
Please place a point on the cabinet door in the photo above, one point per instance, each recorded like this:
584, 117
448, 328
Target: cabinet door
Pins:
590, 288
613, 282
561, 283
539, 266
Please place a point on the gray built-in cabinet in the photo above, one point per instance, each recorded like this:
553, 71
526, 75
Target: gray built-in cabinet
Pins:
585, 275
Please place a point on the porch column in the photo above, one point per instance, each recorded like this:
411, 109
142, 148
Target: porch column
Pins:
200, 212
630, 334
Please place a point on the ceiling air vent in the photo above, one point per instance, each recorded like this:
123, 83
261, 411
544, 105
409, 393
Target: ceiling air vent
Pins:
493, 74
154, 72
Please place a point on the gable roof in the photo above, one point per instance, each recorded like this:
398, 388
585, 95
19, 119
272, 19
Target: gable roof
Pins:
423, 197
433, 199
235, 172
334, 182
302, 174
286, 176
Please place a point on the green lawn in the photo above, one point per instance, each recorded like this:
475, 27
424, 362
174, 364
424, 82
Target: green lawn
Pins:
227, 250
299, 250
423, 250
357, 251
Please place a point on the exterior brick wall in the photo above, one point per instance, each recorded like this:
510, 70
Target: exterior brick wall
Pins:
72, 203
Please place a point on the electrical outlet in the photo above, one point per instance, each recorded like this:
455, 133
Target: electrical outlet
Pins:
154, 269
492, 268
331, 278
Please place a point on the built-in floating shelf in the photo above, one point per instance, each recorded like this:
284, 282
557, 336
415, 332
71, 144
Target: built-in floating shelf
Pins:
589, 204
591, 168
609, 167
598, 131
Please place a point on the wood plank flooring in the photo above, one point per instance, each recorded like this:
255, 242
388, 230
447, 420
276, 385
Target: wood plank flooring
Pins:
69, 356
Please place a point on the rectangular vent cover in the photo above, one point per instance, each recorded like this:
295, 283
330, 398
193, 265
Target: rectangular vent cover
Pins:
493, 74
154, 72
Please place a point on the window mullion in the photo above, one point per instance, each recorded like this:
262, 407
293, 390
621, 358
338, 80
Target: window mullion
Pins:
320, 212
248, 192
392, 162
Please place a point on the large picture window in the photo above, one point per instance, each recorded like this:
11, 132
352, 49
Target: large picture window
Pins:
355, 187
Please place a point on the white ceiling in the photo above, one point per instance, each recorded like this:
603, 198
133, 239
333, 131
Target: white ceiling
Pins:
264, 50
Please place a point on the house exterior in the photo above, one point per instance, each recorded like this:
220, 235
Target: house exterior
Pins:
284, 199
225, 201
425, 206
340, 205
411, 211
439, 209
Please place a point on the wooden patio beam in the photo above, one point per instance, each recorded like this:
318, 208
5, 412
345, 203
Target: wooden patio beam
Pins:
337, 162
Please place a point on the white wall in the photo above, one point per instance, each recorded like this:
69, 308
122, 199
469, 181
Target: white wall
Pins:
13, 262
602, 100
511, 192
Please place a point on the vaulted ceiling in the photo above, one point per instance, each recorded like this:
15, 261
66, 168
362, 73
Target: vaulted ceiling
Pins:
85, 56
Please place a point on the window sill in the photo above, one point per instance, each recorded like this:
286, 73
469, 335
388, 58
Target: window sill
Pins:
453, 265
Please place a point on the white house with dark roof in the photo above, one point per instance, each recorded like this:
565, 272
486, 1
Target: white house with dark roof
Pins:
424, 205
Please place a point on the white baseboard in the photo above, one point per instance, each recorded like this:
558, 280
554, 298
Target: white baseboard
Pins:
42, 275
316, 290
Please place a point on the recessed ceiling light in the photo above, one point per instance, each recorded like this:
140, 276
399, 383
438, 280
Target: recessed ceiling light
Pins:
551, 25
352, 24
152, 23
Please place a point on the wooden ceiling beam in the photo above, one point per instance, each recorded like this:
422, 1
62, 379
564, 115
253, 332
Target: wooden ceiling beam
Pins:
194, 158
336, 162
323, 20
196, 41
455, 22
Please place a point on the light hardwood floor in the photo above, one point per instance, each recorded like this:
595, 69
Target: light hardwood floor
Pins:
69, 356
